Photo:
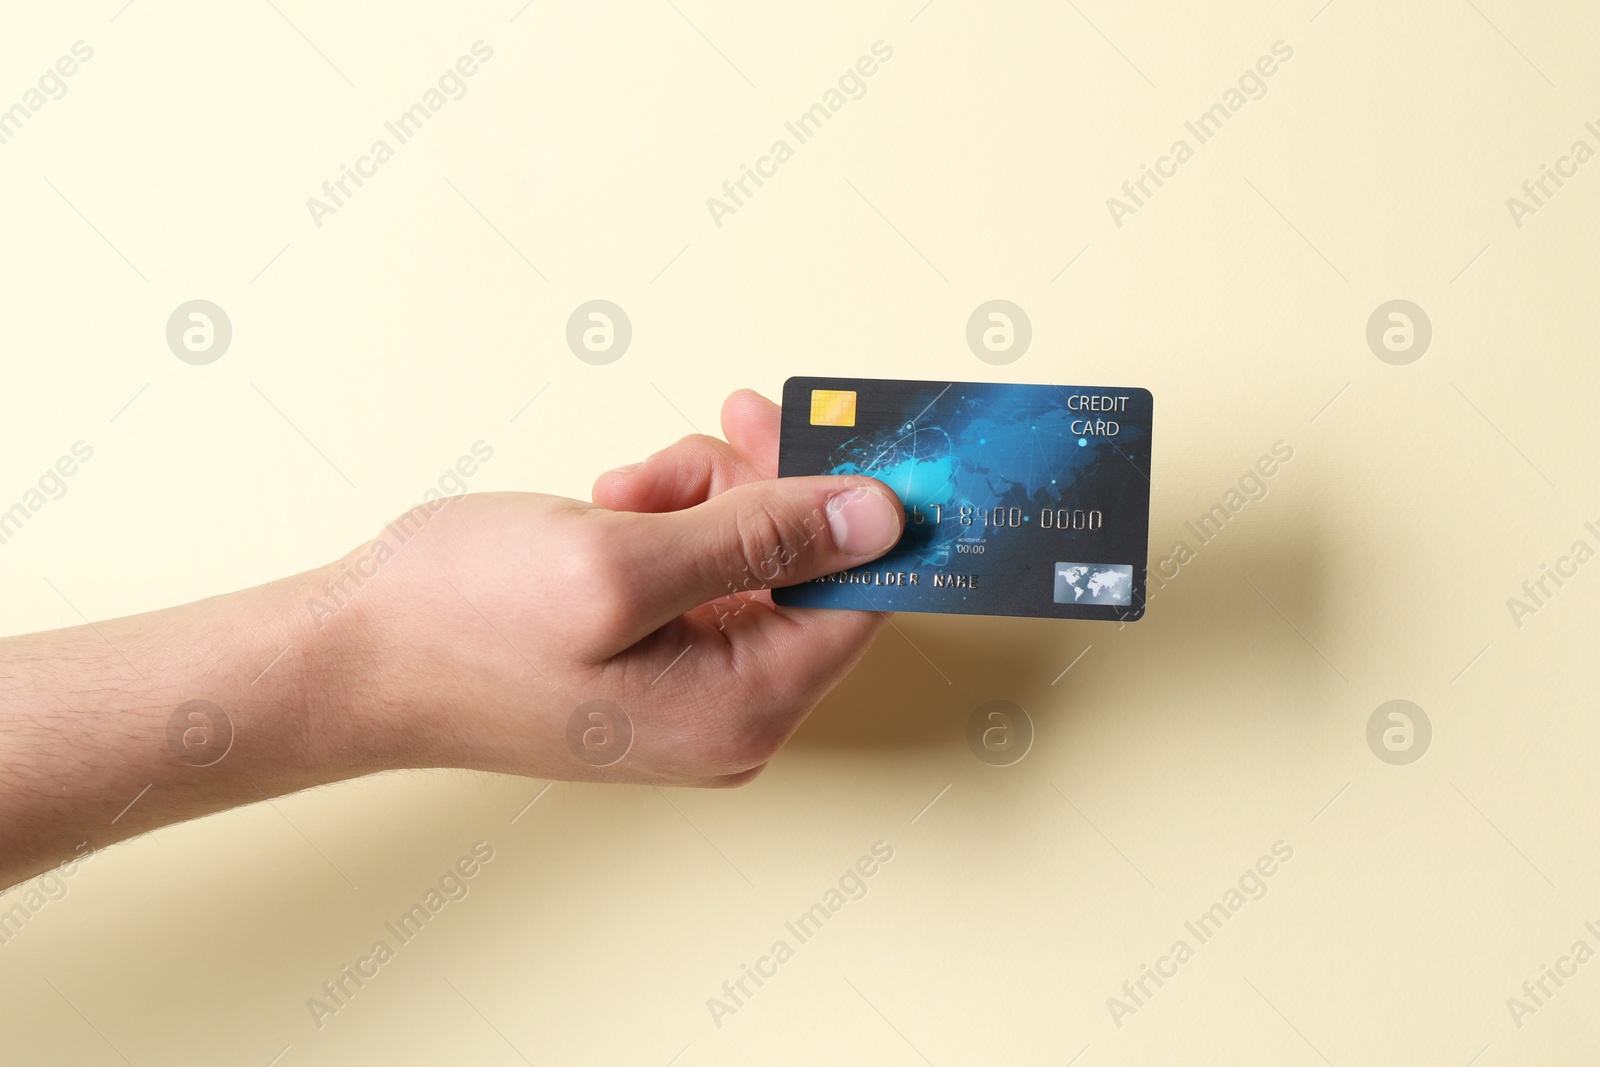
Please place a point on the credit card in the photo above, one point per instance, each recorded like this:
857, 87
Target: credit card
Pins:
1025, 500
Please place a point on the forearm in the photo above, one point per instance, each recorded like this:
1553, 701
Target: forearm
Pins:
103, 736
508, 632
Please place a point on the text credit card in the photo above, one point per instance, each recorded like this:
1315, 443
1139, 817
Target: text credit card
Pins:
1028, 500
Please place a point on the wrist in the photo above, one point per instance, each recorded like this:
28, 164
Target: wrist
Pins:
252, 661
362, 680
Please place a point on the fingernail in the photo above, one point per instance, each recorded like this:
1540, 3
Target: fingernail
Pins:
863, 522
628, 469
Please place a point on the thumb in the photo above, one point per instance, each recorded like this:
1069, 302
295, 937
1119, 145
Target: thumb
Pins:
758, 536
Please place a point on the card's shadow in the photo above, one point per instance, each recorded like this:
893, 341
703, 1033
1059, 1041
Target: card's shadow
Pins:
926, 673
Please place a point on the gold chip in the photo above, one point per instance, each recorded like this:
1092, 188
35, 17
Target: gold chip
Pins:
833, 407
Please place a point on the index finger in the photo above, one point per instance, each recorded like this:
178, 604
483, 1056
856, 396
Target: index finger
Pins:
751, 423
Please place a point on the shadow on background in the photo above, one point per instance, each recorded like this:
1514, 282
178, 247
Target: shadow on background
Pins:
926, 673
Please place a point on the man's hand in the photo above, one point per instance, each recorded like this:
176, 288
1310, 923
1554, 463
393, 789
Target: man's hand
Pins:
625, 640
506, 613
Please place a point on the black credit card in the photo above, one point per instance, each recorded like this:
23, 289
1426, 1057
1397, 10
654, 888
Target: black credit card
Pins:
1028, 500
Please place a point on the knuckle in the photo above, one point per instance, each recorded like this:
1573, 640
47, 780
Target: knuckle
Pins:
736, 732
770, 547
734, 780
759, 728
738, 753
594, 565
755, 745
697, 450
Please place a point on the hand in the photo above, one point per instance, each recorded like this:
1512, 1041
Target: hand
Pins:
502, 615
474, 632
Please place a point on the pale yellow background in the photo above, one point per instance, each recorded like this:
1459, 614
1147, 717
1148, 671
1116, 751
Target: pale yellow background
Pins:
977, 166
